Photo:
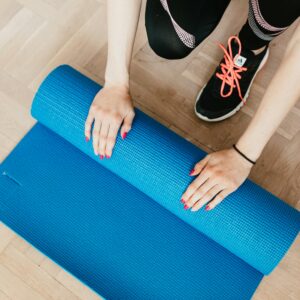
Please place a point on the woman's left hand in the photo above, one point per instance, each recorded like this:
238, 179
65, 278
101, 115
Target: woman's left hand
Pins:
219, 174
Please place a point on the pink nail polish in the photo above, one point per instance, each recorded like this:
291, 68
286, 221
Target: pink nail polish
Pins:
87, 139
124, 135
185, 207
191, 173
107, 156
101, 156
207, 208
182, 201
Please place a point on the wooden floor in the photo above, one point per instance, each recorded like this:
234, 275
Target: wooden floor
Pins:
37, 35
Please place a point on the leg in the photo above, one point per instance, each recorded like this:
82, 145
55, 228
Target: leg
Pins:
175, 28
266, 20
228, 89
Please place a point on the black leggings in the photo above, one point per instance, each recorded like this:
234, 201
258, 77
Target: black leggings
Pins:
176, 27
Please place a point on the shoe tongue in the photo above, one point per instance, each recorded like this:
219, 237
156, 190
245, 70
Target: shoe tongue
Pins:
240, 60
244, 58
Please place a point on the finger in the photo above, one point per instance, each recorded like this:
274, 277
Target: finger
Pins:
218, 199
194, 186
111, 139
103, 138
127, 123
88, 126
207, 197
199, 166
96, 132
200, 192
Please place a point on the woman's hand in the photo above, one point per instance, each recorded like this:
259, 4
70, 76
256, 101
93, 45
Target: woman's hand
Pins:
219, 174
111, 107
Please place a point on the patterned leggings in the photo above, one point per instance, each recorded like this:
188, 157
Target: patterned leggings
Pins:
176, 27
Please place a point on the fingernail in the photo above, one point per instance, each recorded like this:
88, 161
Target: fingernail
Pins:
124, 135
101, 156
107, 156
87, 139
182, 201
185, 207
191, 173
207, 208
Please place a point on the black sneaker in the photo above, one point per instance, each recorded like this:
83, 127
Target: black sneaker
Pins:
228, 89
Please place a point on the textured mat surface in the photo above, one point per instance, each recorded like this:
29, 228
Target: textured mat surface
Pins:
108, 233
118, 224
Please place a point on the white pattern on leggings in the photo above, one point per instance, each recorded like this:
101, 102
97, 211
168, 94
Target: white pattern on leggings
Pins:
256, 19
187, 38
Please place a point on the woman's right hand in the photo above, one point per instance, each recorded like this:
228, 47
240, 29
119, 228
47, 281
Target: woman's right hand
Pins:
111, 109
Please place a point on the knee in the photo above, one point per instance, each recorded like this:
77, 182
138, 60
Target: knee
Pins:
161, 34
166, 47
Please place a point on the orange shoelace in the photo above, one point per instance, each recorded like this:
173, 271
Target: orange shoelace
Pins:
230, 71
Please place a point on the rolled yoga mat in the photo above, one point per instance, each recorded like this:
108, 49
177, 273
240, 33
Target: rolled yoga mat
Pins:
118, 224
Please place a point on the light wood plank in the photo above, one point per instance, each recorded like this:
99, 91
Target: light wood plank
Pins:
17, 263
15, 288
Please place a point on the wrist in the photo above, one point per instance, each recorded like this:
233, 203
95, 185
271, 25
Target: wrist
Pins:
250, 149
117, 77
117, 85
243, 156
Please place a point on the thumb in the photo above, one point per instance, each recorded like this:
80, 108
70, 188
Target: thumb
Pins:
199, 166
127, 123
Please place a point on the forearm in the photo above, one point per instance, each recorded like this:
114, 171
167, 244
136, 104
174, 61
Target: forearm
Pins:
122, 20
281, 95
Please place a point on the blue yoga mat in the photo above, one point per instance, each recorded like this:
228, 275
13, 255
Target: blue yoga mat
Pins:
118, 224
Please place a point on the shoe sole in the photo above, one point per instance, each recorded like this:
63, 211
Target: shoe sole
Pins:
204, 118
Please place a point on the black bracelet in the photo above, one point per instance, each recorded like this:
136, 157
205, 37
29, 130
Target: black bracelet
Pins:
242, 154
